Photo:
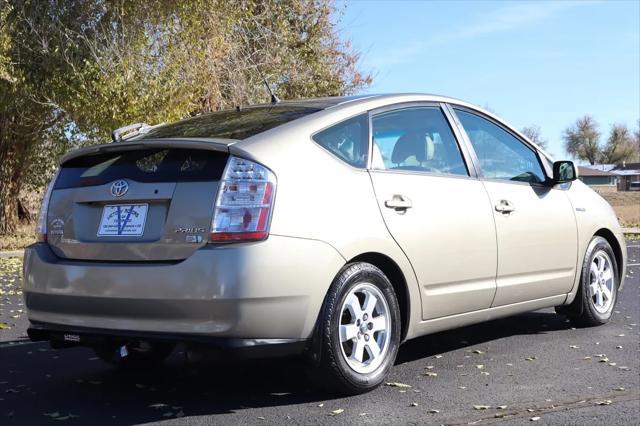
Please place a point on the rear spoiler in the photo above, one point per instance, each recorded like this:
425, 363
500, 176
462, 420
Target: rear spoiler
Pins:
211, 144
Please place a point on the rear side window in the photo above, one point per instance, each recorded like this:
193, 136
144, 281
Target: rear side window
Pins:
417, 139
150, 165
348, 140
231, 124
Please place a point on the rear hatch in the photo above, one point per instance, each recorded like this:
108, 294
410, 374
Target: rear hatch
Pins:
141, 201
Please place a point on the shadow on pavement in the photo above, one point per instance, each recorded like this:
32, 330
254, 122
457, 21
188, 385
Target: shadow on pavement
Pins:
35, 380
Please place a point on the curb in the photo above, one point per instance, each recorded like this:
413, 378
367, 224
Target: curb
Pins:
16, 253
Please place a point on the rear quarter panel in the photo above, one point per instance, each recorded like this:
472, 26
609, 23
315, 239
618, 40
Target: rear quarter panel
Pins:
319, 197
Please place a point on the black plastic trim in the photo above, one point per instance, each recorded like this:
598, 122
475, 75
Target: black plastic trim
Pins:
241, 347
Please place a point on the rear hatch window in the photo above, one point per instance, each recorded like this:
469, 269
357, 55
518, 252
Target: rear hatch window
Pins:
149, 165
232, 124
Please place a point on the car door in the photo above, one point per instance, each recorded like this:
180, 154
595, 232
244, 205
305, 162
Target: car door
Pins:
535, 222
434, 207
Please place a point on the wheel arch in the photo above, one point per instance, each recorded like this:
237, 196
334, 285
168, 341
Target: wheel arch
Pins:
393, 272
617, 250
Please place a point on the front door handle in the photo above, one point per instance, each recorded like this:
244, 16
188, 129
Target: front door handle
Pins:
399, 203
505, 207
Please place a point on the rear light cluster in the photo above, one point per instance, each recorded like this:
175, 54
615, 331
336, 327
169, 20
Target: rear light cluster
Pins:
41, 227
244, 202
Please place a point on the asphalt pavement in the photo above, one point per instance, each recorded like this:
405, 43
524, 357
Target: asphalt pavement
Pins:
528, 369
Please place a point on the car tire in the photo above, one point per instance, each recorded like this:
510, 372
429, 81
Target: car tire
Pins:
138, 354
357, 336
598, 291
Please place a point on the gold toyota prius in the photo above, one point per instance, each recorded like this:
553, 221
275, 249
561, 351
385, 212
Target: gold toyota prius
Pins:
333, 228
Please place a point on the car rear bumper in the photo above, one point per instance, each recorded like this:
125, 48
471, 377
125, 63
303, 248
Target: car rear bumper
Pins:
68, 336
272, 289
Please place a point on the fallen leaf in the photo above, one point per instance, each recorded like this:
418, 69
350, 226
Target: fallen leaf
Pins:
619, 389
414, 404
499, 415
501, 407
574, 347
433, 411
430, 374
336, 412
531, 358
321, 405
397, 385
477, 351
158, 405
481, 407
438, 356
534, 419
605, 402
480, 366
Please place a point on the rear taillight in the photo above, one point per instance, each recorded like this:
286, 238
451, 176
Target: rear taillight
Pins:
41, 227
244, 202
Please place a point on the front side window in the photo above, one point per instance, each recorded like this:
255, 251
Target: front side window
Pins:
501, 155
347, 140
418, 139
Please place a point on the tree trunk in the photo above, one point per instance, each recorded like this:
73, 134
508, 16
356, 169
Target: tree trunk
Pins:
24, 215
8, 208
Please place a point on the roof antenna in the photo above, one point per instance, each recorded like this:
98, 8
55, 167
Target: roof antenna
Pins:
274, 98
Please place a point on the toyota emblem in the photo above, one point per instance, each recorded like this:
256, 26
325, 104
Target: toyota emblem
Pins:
119, 188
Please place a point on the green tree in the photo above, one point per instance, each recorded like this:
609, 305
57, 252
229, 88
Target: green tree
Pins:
535, 135
71, 71
582, 140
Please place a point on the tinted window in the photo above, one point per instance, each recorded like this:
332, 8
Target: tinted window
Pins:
150, 165
347, 140
231, 124
416, 139
501, 155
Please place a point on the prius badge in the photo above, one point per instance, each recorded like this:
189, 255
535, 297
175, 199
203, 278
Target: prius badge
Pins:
119, 188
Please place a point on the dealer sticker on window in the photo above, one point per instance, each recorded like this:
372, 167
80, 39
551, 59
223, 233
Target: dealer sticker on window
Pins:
123, 220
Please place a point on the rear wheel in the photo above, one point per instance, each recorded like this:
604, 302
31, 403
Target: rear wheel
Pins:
135, 353
359, 331
598, 290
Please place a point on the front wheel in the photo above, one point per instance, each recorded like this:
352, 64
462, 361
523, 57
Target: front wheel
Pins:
598, 290
359, 331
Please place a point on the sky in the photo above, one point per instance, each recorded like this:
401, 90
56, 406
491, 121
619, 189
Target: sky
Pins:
542, 63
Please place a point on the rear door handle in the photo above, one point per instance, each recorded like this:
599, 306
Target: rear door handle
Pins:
504, 206
399, 203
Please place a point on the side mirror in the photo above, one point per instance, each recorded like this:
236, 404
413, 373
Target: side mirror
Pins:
564, 171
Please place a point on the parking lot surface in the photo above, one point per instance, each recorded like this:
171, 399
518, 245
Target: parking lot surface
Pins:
531, 368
